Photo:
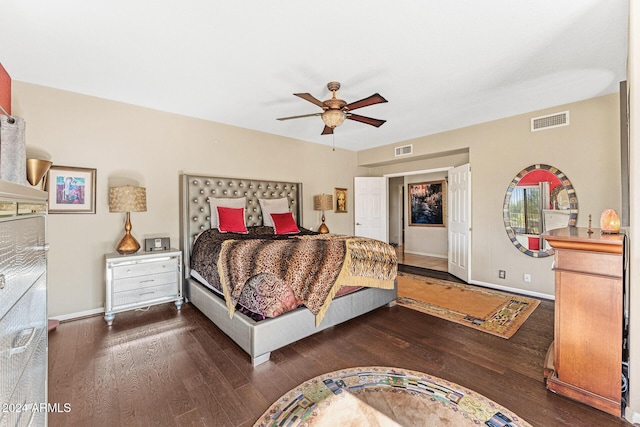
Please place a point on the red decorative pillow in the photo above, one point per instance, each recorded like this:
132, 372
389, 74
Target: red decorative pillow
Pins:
231, 220
283, 223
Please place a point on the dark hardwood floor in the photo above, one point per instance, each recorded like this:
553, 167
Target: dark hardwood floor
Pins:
164, 367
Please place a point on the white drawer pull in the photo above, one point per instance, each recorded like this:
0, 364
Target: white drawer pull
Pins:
148, 280
22, 348
147, 293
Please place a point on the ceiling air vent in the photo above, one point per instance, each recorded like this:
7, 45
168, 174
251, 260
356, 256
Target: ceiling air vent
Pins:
551, 121
405, 150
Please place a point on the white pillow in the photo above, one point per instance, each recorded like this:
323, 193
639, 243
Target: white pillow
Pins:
214, 202
269, 206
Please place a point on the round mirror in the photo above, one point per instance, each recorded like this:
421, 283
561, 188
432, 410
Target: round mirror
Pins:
540, 198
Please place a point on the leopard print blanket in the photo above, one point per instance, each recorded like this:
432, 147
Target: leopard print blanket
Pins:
314, 266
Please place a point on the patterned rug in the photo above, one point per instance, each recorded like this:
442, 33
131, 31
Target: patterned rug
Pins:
487, 310
381, 396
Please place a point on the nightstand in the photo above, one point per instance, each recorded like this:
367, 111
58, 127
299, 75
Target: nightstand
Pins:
142, 280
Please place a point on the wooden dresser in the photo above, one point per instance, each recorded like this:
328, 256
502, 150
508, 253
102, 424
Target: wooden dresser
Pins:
587, 348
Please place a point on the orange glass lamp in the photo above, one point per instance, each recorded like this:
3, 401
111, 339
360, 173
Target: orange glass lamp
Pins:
323, 202
609, 222
127, 199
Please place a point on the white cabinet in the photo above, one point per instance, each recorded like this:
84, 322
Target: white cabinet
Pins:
23, 305
142, 280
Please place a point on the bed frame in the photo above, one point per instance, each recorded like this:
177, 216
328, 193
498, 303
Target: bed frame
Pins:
258, 339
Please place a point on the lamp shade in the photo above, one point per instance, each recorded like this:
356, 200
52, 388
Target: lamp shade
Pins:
323, 202
127, 199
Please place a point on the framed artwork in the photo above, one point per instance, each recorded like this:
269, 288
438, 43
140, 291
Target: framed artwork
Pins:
427, 203
71, 190
340, 197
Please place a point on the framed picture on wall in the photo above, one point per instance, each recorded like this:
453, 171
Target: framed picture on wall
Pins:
427, 203
71, 189
340, 197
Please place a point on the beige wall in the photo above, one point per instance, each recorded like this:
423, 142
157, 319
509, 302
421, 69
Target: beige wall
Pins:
129, 144
587, 151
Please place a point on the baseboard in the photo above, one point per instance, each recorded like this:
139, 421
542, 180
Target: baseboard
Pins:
514, 290
79, 315
427, 254
631, 416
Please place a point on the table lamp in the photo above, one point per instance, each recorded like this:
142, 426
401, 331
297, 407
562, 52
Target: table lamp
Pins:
323, 202
127, 199
609, 222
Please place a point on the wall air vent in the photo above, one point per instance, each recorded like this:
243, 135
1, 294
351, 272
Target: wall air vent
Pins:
405, 150
551, 121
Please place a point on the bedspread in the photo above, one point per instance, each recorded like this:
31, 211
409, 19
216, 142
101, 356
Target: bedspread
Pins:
314, 266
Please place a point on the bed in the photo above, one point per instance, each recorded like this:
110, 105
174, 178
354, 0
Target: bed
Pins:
258, 338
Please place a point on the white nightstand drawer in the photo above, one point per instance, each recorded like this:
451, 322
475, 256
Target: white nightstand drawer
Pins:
146, 294
142, 282
144, 268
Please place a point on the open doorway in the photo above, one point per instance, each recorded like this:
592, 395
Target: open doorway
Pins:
414, 244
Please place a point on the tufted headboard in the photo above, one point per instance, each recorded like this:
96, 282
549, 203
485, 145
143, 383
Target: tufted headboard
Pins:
195, 191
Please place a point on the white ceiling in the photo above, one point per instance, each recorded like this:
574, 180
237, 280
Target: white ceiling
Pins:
440, 64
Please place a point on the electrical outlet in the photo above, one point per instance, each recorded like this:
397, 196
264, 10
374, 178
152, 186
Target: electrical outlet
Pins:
527, 278
502, 274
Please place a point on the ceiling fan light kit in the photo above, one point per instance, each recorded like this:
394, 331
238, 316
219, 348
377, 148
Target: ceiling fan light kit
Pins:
336, 111
333, 118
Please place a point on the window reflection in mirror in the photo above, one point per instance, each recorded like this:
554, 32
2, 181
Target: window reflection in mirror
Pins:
540, 198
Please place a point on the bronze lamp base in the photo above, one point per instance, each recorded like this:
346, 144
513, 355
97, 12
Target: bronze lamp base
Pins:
128, 244
323, 227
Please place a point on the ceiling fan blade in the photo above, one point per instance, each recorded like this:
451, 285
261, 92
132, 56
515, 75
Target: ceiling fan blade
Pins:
376, 98
368, 120
310, 98
327, 130
298, 117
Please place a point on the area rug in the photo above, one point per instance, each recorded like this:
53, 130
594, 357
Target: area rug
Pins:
487, 310
381, 396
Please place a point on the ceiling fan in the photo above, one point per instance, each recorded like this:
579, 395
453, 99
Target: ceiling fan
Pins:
336, 110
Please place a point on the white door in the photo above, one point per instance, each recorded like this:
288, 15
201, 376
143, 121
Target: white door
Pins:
370, 207
459, 221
